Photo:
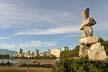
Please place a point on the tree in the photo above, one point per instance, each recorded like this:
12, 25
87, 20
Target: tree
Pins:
70, 53
66, 48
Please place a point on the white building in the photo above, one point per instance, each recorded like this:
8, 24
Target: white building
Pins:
56, 52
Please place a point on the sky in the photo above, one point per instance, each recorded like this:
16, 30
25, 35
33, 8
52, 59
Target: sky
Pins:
45, 24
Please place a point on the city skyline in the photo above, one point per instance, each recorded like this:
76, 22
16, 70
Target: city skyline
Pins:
44, 24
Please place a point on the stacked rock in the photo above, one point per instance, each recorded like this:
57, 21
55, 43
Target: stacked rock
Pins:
90, 46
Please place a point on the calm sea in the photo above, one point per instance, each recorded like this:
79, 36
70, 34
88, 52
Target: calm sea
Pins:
11, 60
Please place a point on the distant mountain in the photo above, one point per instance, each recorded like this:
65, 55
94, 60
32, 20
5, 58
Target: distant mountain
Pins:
6, 51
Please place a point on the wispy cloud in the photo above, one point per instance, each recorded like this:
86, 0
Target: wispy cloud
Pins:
12, 16
31, 44
59, 30
50, 31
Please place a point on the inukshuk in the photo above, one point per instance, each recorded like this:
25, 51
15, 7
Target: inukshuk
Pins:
90, 46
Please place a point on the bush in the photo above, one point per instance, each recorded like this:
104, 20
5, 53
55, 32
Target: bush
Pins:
70, 53
80, 65
62, 66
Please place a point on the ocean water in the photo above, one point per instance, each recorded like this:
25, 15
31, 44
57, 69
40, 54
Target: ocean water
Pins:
14, 61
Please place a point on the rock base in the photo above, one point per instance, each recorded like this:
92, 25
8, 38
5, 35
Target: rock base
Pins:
92, 48
97, 52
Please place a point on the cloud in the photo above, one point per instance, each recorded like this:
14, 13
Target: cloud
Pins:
59, 30
30, 44
7, 46
14, 16
50, 31
6, 37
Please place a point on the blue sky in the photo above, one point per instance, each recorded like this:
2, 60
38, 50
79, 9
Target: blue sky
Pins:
43, 24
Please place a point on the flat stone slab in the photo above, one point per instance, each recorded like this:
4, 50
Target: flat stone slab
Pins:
90, 40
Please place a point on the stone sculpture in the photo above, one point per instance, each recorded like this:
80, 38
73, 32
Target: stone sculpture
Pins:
90, 46
87, 24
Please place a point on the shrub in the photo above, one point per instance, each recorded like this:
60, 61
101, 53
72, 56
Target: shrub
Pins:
80, 65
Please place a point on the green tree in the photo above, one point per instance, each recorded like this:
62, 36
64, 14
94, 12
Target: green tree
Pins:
70, 53
66, 48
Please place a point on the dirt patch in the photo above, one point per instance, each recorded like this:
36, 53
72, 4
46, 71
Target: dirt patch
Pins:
22, 69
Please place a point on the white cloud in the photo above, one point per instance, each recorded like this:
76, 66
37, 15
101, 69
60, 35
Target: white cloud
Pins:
6, 46
6, 37
59, 30
14, 16
50, 31
35, 44
31, 44
11, 16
